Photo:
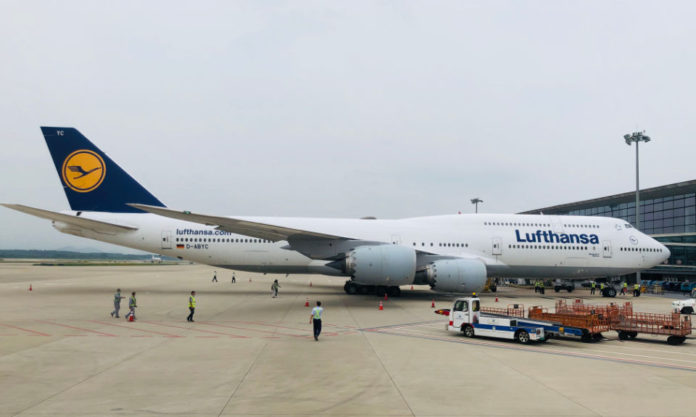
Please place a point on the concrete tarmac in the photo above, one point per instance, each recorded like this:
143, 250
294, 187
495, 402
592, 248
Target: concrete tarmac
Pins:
247, 354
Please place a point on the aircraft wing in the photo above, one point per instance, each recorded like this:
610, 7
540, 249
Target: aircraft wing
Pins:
96, 225
242, 227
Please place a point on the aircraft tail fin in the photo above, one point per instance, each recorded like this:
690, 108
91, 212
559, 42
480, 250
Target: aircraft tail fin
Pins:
91, 180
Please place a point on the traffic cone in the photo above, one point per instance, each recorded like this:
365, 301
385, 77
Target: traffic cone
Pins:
130, 318
411, 287
432, 304
30, 287
496, 299
386, 297
306, 303
381, 307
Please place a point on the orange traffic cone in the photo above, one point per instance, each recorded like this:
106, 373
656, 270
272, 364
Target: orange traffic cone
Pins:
306, 303
29, 287
496, 299
130, 318
386, 297
381, 307
432, 304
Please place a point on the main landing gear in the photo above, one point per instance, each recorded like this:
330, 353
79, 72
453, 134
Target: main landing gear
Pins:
351, 288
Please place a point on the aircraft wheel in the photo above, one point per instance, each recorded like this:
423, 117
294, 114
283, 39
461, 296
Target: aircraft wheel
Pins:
351, 288
394, 291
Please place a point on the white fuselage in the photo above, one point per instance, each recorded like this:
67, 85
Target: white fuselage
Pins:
526, 246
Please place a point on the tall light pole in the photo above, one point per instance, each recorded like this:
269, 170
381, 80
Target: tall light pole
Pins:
475, 202
637, 137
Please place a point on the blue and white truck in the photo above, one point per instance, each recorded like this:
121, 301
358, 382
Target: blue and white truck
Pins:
466, 317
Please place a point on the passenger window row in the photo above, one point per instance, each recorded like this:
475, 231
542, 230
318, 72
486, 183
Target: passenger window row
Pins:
445, 245
624, 249
557, 247
221, 240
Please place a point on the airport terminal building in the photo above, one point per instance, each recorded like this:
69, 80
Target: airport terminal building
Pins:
667, 213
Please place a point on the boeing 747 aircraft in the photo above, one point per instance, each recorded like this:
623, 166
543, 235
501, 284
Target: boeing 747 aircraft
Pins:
451, 253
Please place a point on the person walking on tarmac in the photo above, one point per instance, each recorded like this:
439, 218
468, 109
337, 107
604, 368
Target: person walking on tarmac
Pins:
132, 304
214, 277
234, 279
117, 303
624, 288
274, 288
541, 286
593, 287
192, 306
601, 289
636, 290
315, 319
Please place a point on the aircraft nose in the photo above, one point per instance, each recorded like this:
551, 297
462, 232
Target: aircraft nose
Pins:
666, 253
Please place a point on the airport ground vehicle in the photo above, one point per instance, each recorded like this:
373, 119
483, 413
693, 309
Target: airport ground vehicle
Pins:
559, 285
466, 316
627, 323
684, 306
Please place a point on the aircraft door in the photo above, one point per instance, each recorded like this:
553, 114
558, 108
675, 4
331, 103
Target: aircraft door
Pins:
606, 249
166, 239
497, 246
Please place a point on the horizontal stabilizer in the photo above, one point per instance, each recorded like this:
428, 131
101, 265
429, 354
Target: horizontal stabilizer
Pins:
82, 222
243, 227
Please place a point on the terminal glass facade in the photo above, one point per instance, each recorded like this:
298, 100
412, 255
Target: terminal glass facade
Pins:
672, 214
667, 213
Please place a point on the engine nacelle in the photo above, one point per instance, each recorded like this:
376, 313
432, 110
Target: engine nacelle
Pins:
381, 265
457, 275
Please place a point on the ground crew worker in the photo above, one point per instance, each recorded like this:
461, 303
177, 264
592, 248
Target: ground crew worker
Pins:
601, 289
233, 278
536, 286
214, 277
541, 286
624, 288
636, 290
315, 318
132, 304
593, 287
117, 303
274, 288
192, 306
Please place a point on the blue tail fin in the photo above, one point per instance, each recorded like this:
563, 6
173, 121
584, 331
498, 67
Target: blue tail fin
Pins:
91, 180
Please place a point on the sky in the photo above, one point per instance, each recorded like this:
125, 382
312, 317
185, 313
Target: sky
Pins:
346, 109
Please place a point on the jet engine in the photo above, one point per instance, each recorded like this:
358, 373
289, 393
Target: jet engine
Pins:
456, 275
379, 265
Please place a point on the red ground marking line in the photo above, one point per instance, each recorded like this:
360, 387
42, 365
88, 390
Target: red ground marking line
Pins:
550, 351
26, 330
283, 327
77, 328
207, 323
196, 330
141, 335
208, 337
135, 328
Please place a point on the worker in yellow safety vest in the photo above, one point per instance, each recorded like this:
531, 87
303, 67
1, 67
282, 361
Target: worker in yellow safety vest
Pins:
624, 288
593, 287
192, 306
636, 290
